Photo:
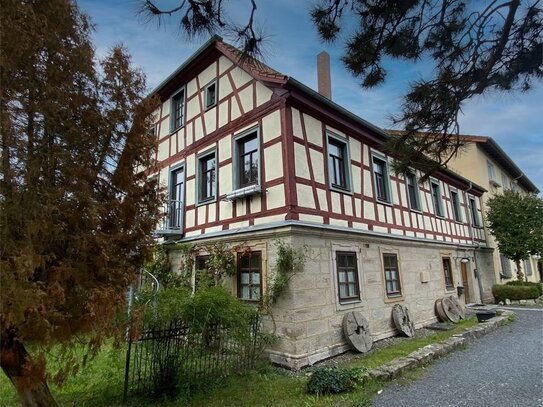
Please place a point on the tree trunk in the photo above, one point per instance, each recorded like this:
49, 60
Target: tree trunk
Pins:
17, 365
520, 274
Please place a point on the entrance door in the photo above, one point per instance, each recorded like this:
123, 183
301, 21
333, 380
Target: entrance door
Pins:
465, 282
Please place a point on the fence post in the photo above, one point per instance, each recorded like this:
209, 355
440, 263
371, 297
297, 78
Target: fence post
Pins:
127, 370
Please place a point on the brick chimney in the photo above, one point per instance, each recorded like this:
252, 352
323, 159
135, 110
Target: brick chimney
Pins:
323, 75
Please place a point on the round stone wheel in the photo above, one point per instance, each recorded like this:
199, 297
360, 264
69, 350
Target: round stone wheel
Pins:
403, 321
459, 307
450, 310
357, 331
440, 312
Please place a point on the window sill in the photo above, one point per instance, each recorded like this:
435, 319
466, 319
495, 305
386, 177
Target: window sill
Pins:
207, 201
419, 211
387, 203
340, 190
243, 192
397, 298
347, 305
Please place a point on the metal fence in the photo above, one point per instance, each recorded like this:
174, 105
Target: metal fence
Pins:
178, 357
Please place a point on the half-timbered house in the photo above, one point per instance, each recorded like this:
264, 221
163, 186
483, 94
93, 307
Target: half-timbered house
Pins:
249, 155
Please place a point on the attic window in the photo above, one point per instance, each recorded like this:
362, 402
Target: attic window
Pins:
211, 94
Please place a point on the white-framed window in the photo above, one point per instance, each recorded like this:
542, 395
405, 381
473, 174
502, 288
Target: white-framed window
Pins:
413, 195
505, 183
206, 177
339, 163
177, 110
381, 180
455, 202
210, 94
491, 171
437, 200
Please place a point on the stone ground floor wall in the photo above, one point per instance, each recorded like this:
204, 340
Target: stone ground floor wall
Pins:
307, 318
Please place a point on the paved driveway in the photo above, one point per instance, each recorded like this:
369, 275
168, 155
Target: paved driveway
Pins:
502, 369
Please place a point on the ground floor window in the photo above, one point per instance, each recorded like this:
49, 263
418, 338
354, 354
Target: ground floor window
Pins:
447, 272
392, 275
347, 276
250, 276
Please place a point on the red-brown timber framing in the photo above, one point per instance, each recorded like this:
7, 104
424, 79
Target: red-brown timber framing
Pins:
288, 94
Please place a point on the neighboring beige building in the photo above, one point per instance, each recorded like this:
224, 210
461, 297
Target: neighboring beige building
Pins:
484, 162
249, 156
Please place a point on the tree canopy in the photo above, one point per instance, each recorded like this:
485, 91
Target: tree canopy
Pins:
76, 214
516, 221
474, 47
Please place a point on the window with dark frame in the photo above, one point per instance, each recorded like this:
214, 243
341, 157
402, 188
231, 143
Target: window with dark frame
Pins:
436, 198
178, 107
207, 177
392, 275
456, 206
380, 175
337, 163
211, 95
473, 212
250, 276
177, 190
413, 191
248, 160
527, 267
347, 276
447, 272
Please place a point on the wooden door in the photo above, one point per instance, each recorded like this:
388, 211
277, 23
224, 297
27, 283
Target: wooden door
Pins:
465, 282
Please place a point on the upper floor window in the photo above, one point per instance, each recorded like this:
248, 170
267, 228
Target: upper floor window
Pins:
475, 221
505, 184
177, 110
207, 177
177, 191
491, 171
338, 163
347, 276
392, 275
413, 191
247, 160
447, 272
250, 276
436, 198
380, 177
210, 92
455, 200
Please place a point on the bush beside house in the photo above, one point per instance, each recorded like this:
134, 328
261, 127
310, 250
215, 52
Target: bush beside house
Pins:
516, 290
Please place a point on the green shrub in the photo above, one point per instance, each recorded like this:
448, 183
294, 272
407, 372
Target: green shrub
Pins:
527, 284
514, 292
331, 380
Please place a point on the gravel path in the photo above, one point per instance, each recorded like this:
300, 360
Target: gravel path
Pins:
501, 369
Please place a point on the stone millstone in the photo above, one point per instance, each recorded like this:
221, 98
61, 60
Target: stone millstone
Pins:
402, 320
440, 312
357, 331
459, 307
450, 310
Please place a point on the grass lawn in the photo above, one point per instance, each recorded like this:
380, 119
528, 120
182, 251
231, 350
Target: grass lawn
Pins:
100, 383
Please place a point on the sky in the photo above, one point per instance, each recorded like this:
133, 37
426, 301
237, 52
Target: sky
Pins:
514, 121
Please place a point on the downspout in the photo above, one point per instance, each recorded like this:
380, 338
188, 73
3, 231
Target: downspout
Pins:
477, 273
477, 245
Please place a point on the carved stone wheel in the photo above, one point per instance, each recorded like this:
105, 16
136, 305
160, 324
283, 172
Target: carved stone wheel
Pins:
440, 312
403, 320
450, 310
357, 331
459, 307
